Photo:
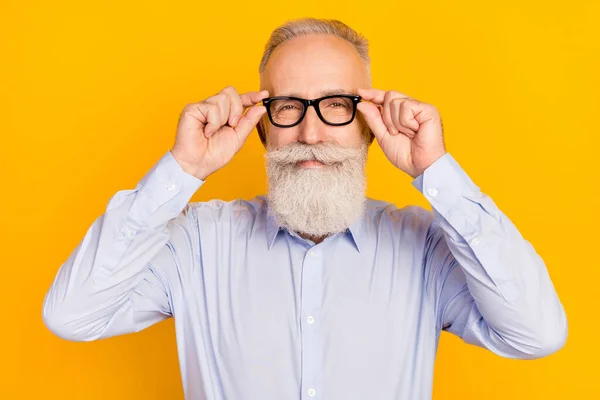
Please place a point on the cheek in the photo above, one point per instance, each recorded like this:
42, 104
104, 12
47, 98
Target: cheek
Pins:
350, 137
279, 137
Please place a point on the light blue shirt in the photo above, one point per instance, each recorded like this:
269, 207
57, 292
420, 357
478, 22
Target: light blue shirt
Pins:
261, 313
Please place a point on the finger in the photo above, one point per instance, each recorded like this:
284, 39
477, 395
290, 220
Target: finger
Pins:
251, 98
214, 120
387, 113
235, 105
249, 120
408, 110
396, 111
211, 113
376, 96
374, 120
221, 101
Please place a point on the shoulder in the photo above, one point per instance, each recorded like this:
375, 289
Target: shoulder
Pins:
379, 212
218, 210
388, 224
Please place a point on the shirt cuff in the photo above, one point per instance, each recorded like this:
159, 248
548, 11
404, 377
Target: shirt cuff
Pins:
165, 184
444, 182
454, 198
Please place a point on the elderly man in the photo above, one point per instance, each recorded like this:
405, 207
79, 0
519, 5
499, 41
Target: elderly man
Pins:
313, 291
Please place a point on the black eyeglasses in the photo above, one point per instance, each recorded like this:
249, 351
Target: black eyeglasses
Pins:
336, 110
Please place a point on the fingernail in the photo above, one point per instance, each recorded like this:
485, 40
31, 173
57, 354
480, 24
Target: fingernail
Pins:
234, 121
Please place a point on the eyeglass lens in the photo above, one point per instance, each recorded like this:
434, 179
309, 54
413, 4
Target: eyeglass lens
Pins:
335, 110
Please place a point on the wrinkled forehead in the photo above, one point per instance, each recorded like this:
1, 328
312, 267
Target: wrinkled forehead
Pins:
315, 66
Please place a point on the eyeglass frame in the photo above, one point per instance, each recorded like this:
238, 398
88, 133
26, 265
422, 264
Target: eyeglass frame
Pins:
315, 103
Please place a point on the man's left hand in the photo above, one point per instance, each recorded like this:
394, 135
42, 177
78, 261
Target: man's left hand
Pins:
409, 132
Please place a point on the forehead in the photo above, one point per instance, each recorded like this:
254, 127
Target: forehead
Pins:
314, 66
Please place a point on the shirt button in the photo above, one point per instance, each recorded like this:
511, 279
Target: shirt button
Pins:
310, 319
475, 241
312, 392
128, 233
433, 192
170, 186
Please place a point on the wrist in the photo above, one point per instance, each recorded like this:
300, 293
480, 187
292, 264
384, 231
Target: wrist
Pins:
190, 168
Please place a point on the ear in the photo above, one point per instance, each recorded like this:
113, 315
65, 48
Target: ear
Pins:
262, 131
370, 136
367, 132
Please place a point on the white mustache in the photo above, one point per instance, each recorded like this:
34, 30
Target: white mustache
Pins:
327, 153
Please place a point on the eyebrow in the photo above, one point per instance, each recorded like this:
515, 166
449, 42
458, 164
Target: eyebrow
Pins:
323, 93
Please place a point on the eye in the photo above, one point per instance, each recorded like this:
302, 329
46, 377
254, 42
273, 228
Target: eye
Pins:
337, 103
287, 107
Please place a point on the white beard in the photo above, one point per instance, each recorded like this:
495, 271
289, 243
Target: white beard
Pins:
317, 201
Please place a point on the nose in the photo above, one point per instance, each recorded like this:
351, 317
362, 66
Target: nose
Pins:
312, 129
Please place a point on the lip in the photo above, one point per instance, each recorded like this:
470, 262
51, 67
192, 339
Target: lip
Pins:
310, 164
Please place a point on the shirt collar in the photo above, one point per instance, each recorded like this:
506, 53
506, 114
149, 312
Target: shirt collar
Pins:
272, 228
355, 232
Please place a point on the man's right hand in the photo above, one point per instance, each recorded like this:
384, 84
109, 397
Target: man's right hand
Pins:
211, 132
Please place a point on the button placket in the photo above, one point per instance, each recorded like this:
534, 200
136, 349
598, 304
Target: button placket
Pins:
312, 356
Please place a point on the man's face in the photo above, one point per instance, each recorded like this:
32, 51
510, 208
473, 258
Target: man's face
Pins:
315, 171
311, 67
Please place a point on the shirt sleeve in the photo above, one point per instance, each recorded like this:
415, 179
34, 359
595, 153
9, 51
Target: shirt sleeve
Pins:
487, 283
113, 281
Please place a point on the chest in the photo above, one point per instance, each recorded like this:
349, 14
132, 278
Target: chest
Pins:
294, 317
255, 297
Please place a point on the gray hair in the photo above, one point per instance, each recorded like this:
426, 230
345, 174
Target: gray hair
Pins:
316, 26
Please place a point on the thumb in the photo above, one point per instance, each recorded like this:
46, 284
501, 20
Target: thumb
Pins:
249, 121
374, 120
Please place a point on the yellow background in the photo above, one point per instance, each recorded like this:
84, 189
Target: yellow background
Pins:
90, 94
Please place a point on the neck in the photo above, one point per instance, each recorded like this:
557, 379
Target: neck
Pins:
315, 239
